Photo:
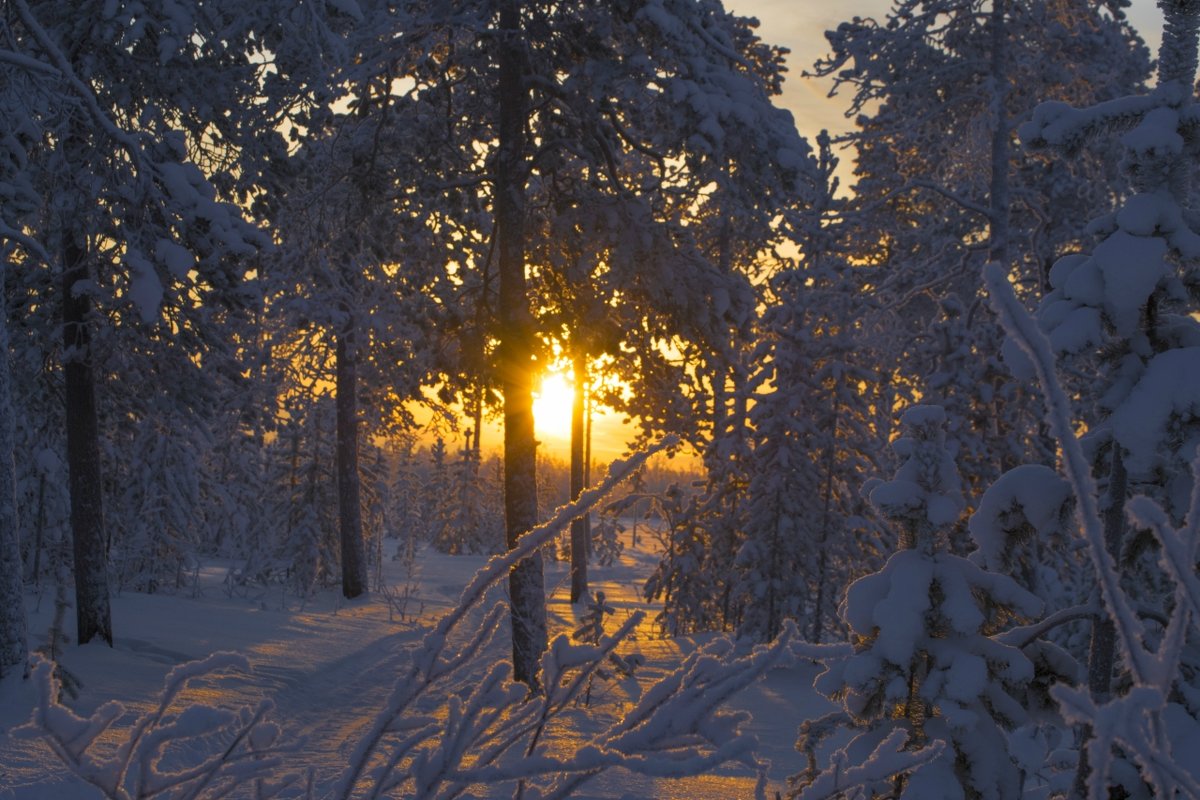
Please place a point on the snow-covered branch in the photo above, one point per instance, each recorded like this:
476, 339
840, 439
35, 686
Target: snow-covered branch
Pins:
27, 63
211, 751
78, 87
1022, 328
888, 759
430, 665
1026, 635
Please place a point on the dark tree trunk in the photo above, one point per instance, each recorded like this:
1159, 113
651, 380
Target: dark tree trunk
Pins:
14, 638
587, 443
93, 615
579, 527
998, 203
354, 554
477, 417
527, 593
823, 534
1102, 649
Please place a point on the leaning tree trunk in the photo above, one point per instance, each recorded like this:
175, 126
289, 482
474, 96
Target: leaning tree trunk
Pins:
527, 593
92, 612
579, 526
354, 554
14, 639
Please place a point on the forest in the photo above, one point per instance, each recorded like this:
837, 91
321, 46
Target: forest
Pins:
909, 505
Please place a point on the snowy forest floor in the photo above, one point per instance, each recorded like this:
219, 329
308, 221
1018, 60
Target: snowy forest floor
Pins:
328, 665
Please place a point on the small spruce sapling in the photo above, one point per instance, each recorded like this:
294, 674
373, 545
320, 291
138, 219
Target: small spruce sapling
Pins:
925, 667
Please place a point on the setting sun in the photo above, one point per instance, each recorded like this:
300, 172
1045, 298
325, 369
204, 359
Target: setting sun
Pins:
552, 406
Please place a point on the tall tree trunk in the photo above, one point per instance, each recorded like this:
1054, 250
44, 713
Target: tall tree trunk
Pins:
823, 535
579, 527
587, 460
14, 638
998, 202
587, 442
1102, 649
477, 417
354, 554
92, 612
527, 593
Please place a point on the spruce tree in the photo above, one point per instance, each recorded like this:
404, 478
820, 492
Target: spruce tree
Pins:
925, 658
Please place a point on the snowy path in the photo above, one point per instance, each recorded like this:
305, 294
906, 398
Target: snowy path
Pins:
327, 668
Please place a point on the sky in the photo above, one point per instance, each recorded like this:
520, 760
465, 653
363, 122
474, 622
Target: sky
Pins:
800, 26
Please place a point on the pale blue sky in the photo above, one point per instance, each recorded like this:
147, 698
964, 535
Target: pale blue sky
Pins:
800, 25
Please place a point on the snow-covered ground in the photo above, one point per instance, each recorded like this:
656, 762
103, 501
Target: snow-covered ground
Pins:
328, 665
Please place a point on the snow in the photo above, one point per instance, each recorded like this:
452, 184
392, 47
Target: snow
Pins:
1156, 135
1028, 500
1168, 389
145, 289
327, 666
1132, 267
178, 260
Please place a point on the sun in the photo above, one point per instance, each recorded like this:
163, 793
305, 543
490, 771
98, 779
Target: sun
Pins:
552, 406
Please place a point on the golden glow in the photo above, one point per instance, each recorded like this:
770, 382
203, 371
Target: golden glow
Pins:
552, 406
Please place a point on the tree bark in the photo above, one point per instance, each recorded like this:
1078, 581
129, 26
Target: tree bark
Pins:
1102, 649
14, 637
527, 593
998, 203
92, 611
354, 555
579, 527
823, 535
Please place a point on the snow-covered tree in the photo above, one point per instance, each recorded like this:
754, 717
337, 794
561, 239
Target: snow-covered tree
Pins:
925, 658
134, 178
1125, 310
808, 531
938, 88
654, 103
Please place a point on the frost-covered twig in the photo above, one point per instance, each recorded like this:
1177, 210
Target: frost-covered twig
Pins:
1024, 331
674, 730
1180, 548
220, 750
819, 652
430, 664
1134, 722
887, 760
